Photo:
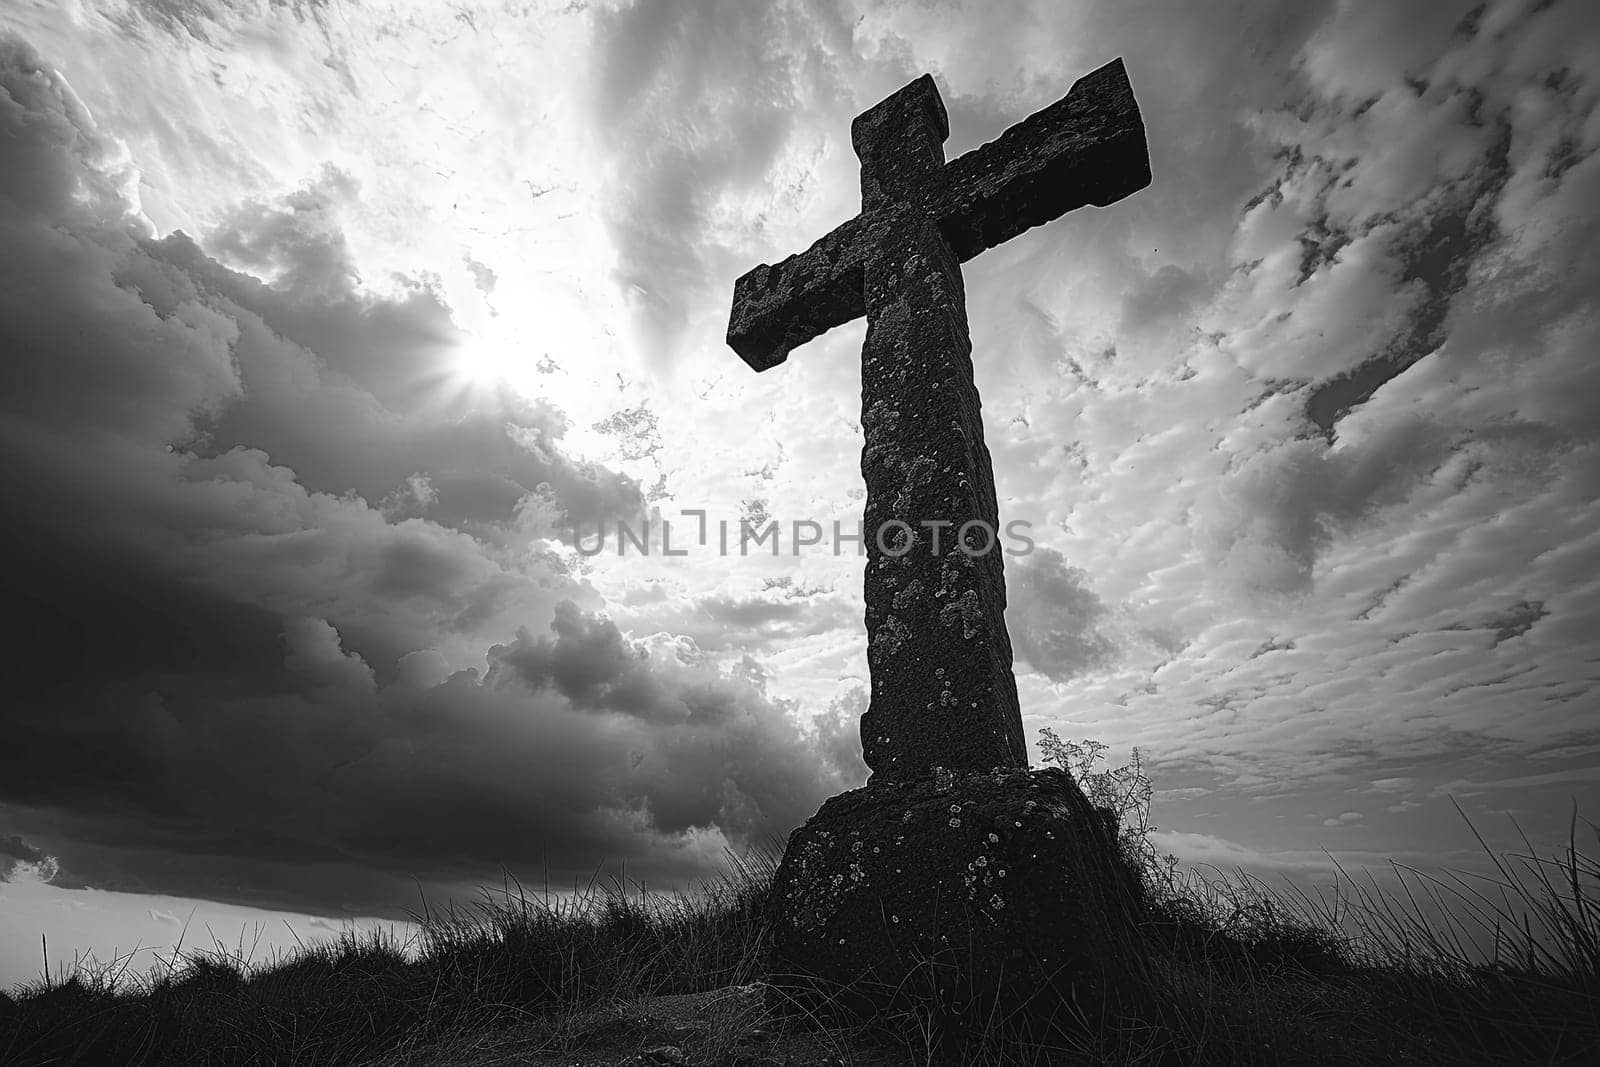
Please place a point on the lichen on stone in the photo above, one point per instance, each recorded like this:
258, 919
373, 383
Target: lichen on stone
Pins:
909, 596
914, 475
965, 610
891, 636
882, 416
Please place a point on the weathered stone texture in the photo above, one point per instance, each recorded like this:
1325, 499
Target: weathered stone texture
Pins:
939, 656
982, 884
1086, 148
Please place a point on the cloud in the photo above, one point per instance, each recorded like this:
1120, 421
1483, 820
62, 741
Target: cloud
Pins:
697, 102
1223, 854
354, 392
708, 749
589, 662
312, 654
282, 588
768, 621
18, 857
1264, 525
574, 747
1170, 294
1351, 480
1054, 618
13, 847
571, 747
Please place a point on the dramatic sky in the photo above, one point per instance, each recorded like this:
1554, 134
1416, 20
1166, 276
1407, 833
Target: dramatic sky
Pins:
323, 323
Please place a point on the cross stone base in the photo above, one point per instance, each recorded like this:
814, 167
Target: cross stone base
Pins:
961, 888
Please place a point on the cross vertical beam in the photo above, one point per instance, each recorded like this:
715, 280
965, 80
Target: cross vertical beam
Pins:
942, 690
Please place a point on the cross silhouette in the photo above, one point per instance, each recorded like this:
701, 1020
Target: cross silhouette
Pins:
943, 695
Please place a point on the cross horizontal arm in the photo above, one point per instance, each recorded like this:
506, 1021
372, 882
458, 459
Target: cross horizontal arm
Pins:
776, 308
1086, 148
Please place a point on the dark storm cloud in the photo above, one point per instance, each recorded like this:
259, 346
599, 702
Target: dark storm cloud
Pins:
15, 852
316, 764
708, 749
589, 662
15, 848
1054, 617
235, 672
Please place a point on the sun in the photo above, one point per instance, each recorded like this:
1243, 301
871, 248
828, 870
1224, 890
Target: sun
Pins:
484, 363
475, 371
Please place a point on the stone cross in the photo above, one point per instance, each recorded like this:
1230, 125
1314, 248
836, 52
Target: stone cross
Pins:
943, 695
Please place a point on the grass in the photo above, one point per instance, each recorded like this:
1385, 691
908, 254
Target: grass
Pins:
1436, 968
509, 960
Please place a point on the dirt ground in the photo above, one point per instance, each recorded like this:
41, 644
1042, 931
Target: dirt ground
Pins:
737, 1026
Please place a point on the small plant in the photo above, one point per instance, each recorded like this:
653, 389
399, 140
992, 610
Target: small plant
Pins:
1126, 792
